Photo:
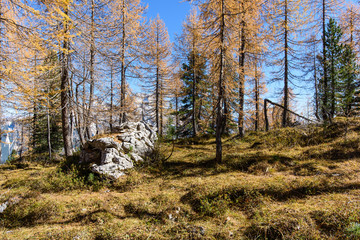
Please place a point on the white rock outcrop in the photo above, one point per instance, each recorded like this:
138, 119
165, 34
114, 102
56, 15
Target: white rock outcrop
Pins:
130, 142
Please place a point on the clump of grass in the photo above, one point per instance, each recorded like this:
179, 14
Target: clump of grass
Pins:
105, 232
214, 202
281, 224
127, 183
187, 231
29, 212
337, 221
353, 232
70, 175
58, 181
159, 209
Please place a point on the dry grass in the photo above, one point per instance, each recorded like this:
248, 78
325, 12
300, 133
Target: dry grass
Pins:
285, 184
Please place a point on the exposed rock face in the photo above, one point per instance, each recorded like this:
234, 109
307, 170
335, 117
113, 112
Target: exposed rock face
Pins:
132, 142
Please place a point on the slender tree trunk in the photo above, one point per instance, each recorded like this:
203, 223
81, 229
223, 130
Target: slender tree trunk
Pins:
220, 100
316, 87
194, 92
72, 123
64, 78
177, 114
79, 115
48, 125
325, 77
286, 73
266, 116
241, 79
111, 98
35, 108
92, 59
256, 98
22, 141
123, 77
161, 105
242, 45
333, 88
158, 86
157, 92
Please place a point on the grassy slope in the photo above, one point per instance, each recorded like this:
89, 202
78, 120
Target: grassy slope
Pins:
285, 184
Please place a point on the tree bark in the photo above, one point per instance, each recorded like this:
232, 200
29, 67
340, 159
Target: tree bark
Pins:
325, 77
194, 92
123, 77
65, 113
220, 100
286, 73
256, 98
92, 59
111, 98
48, 126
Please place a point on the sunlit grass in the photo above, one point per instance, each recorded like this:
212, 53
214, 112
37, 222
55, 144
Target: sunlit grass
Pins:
285, 184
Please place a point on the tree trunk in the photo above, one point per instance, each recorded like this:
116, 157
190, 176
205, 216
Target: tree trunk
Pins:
123, 78
286, 73
266, 116
176, 114
219, 115
65, 113
157, 101
111, 98
256, 98
325, 77
92, 59
194, 92
241, 76
48, 126
316, 86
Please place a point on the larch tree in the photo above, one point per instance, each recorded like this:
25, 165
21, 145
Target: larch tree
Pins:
287, 19
219, 21
126, 25
248, 42
157, 52
57, 34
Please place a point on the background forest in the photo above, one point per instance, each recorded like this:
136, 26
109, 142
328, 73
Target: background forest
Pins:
73, 69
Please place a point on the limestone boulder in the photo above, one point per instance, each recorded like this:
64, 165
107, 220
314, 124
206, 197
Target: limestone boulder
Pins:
130, 142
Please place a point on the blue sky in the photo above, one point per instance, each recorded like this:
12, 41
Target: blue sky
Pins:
172, 12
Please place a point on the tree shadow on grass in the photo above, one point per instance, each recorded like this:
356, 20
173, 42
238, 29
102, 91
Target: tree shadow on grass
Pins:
247, 198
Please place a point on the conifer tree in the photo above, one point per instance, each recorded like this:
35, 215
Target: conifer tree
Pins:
330, 69
348, 84
287, 18
194, 80
157, 53
219, 20
191, 48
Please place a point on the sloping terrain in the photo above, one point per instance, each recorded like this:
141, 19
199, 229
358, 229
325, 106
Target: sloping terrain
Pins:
285, 184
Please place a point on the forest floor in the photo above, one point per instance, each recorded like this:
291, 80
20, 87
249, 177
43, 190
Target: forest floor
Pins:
293, 183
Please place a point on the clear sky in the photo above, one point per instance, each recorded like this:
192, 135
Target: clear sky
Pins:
172, 12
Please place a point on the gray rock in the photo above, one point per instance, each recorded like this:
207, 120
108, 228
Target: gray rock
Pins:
110, 156
3, 206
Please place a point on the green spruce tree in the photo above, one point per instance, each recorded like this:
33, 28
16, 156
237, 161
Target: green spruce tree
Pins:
331, 65
194, 86
348, 81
